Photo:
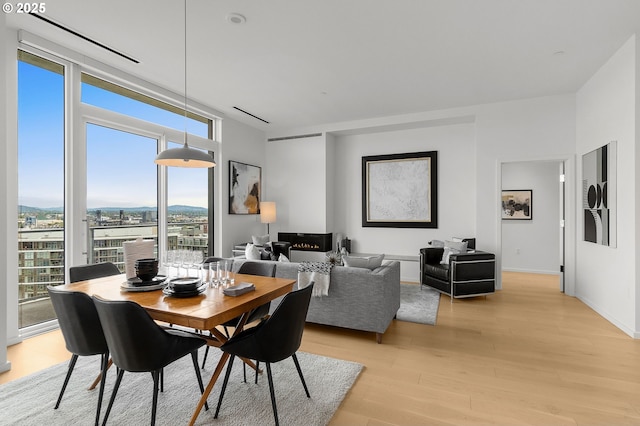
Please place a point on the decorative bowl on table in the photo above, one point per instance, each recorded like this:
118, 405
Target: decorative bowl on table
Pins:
146, 269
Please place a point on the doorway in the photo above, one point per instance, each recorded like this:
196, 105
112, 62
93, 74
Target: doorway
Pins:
533, 238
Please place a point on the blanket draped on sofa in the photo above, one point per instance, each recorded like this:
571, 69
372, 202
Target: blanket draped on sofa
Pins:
316, 272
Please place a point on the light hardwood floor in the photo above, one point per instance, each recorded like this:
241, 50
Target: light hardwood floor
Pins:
527, 355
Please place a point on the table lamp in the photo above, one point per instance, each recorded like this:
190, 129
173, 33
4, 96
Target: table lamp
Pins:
268, 213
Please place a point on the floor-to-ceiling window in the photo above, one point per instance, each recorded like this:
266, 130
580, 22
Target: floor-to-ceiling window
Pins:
106, 170
122, 191
41, 222
188, 195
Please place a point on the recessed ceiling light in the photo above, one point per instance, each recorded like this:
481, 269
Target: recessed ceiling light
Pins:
236, 18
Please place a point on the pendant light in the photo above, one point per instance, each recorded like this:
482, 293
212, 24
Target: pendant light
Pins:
185, 156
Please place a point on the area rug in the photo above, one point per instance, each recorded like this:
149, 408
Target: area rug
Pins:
418, 305
30, 400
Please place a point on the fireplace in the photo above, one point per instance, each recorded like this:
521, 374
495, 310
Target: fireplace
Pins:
307, 242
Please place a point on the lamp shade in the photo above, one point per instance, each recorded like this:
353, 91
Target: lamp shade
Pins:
184, 157
267, 211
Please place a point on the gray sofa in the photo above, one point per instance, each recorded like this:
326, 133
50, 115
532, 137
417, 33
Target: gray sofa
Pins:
359, 298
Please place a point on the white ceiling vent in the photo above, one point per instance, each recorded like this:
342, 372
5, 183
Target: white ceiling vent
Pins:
284, 138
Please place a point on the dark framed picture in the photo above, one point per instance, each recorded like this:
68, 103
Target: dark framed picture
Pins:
400, 190
599, 181
517, 204
245, 188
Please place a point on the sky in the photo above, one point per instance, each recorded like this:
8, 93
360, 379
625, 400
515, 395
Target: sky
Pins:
120, 168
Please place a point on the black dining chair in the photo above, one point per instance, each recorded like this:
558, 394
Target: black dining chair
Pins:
82, 332
273, 340
88, 272
254, 268
212, 259
250, 268
138, 344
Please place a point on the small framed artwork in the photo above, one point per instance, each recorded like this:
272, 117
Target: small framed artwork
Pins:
516, 204
245, 188
400, 190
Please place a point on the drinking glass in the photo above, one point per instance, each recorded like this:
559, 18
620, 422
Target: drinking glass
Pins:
171, 264
183, 263
196, 257
214, 271
224, 271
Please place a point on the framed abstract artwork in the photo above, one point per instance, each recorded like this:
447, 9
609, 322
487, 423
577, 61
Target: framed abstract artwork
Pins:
400, 190
599, 195
245, 188
517, 204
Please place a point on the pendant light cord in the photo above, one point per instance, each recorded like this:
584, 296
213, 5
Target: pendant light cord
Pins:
185, 74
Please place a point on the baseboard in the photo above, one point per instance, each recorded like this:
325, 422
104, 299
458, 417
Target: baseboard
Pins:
530, 271
5, 367
37, 329
610, 318
14, 341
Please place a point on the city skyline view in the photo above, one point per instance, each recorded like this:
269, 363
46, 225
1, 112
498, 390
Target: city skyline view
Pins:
96, 165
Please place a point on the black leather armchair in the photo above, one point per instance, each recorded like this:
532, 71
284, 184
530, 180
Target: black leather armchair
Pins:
467, 274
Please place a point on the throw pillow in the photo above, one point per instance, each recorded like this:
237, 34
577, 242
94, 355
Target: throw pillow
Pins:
251, 252
354, 262
461, 246
370, 262
260, 240
448, 252
375, 261
283, 258
436, 243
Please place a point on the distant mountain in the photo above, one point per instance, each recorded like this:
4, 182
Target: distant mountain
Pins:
39, 210
175, 209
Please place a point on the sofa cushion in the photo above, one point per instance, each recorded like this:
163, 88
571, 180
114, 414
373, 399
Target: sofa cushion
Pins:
369, 262
359, 298
437, 270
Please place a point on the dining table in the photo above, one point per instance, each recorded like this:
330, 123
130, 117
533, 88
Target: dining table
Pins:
205, 311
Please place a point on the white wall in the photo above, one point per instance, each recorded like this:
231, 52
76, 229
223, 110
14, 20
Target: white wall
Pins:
5, 203
606, 111
456, 193
533, 245
297, 181
247, 145
530, 129
472, 141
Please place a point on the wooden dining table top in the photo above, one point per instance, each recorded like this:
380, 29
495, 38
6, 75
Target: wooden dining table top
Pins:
202, 312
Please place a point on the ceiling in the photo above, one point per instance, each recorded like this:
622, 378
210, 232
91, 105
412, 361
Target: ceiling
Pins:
298, 63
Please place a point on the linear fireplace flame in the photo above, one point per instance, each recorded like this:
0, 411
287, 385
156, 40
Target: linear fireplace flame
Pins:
307, 241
